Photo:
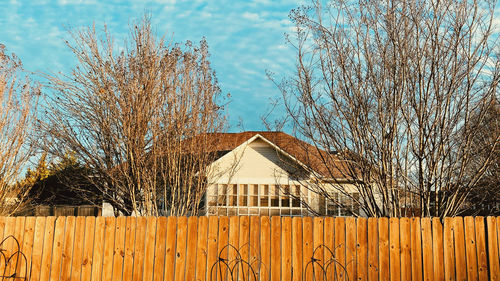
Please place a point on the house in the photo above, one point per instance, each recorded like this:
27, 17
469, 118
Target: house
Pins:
273, 173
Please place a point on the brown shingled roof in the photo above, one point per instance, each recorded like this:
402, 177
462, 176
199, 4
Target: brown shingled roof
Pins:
306, 153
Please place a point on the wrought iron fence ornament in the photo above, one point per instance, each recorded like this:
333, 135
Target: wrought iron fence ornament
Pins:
8, 262
236, 264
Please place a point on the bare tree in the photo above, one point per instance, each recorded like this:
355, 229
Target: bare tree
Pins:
484, 198
137, 116
18, 103
389, 88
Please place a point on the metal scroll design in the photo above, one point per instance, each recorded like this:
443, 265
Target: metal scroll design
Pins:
240, 269
237, 268
329, 269
11, 263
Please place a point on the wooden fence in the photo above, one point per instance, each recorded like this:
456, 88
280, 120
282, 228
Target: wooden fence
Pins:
195, 248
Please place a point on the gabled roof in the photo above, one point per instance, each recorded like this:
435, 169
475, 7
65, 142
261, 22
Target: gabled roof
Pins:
300, 151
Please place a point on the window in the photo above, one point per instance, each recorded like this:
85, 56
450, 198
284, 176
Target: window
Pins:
256, 199
341, 204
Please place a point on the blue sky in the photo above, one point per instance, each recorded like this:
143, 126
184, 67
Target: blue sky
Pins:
246, 38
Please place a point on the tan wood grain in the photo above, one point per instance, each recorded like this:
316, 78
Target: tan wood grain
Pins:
128, 260
149, 249
201, 249
373, 269
160, 247
383, 249
180, 252
470, 248
88, 249
67, 254
57, 249
318, 237
416, 249
297, 248
139, 248
449, 249
362, 249
170, 249
482, 254
349, 232
119, 248
38, 243
286, 248
265, 246
428, 268
212, 248
191, 248
394, 249
460, 255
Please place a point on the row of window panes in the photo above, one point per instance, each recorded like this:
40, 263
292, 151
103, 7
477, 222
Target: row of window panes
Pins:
245, 195
340, 204
223, 211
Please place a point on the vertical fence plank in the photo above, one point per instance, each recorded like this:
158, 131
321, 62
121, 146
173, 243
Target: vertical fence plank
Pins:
405, 234
19, 235
10, 227
275, 248
470, 248
67, 254
394, 251
427, 249
140, 244
180, 252
201, 252
308, 249
329, 242
286, 248
383, 248
416, 249
349, 233
438, 249
57, 249
169, 273
449, 250
297, 249
362, 249
128, 261
265, 246
159, 256
244, 247
340, 248
47, 248
234, 229
318, 249
149, 249
460, 255
2, 230
36, 256
191, 248
482, 255
212, 254
373, 270
76, 263
222, 247
119, 248
109, 244
98, 249
27, 247
254, 247
88, 248
493, 248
